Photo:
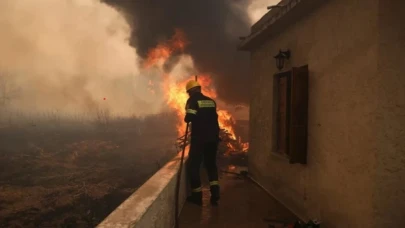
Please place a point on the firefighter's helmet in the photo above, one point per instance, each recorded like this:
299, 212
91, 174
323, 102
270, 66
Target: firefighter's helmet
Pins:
191, 84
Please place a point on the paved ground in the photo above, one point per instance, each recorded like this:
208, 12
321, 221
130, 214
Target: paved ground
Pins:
243, 204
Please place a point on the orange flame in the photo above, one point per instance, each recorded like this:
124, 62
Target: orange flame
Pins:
176, 99
176, 96
244, 145
163, 51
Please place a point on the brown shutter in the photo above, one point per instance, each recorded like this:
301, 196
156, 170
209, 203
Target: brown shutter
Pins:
298, 115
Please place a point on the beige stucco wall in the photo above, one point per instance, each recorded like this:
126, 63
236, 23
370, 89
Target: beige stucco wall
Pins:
356, 115
389, 196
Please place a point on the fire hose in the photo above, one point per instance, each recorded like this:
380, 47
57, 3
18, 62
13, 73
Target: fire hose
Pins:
176, 206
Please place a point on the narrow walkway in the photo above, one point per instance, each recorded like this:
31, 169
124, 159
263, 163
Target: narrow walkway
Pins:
243, 204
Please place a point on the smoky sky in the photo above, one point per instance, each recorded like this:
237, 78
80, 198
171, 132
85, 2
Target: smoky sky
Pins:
212, 28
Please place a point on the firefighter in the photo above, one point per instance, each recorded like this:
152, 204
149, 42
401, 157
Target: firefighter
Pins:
201, 112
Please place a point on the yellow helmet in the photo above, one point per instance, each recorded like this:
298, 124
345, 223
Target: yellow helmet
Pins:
191, 84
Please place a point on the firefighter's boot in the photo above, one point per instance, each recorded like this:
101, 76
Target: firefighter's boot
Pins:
214, 194
195, 198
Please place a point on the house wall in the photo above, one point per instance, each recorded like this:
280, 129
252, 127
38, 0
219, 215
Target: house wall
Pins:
340, 43
389, 196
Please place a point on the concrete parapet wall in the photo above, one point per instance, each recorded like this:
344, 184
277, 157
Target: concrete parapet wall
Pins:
152, 205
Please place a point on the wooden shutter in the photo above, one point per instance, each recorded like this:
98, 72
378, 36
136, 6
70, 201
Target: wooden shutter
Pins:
298, 115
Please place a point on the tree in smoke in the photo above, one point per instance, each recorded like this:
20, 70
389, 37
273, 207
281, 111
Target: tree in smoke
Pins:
8, 90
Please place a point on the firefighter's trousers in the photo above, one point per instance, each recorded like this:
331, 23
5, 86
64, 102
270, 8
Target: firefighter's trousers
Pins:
203, 152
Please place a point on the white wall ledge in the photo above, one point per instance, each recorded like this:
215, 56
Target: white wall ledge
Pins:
152, 205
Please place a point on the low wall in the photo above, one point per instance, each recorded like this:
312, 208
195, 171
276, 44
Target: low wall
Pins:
152, 205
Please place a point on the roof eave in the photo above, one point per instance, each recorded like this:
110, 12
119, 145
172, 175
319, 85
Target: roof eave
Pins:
287, 15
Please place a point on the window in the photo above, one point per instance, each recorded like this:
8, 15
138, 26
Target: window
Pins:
290, 116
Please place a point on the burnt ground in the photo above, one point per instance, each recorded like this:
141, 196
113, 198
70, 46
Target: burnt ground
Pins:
73, 175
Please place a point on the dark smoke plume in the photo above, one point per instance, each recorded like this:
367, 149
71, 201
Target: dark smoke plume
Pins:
211, 26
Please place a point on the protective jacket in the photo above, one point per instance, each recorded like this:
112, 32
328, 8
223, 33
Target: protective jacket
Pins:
201, 111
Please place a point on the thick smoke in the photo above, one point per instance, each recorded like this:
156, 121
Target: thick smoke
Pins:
78, 56
70, 56
212, 27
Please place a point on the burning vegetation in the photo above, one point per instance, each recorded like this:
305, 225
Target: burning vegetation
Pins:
176, 97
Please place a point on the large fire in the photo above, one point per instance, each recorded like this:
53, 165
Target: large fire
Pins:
177, 98
174, 90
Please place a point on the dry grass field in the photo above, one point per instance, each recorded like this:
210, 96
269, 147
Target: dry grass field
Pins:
72, 172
